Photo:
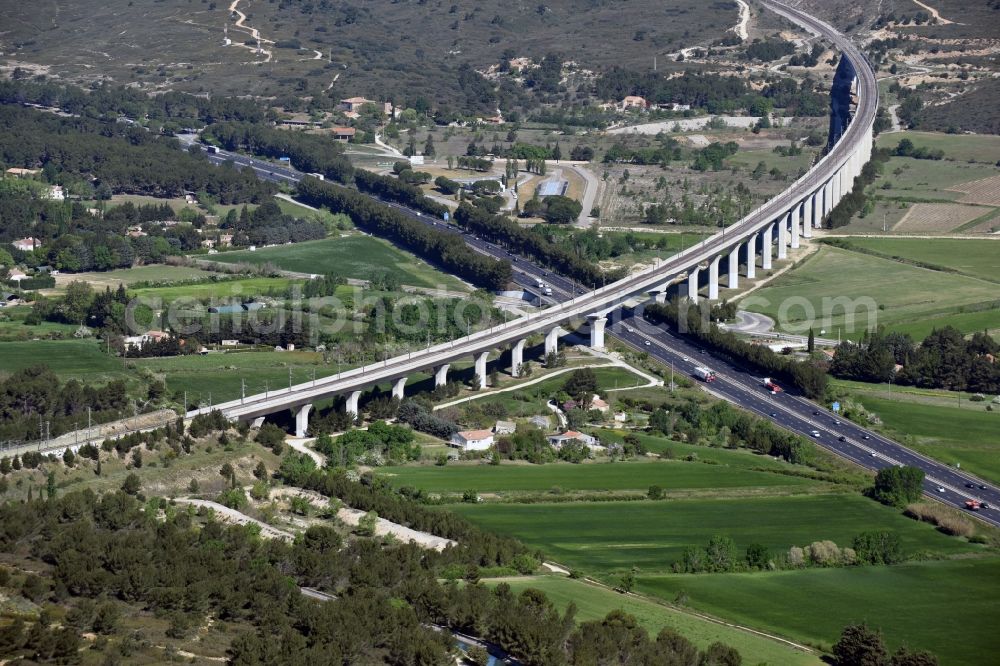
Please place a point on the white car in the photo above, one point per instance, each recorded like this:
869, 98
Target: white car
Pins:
646, 342
686, 359
940, 489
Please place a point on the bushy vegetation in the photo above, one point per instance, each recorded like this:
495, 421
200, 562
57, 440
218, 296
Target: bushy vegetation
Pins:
697, 323
944, 359
34, 395
449, 250
898, 486
123, 158
507, 233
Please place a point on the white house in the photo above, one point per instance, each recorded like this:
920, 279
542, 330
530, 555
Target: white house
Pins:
600, 405
472, 440
26, 244
572, 435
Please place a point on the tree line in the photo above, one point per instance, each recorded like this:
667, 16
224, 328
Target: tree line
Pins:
169, 110
121, 158
310, 153
448, 250
945, 359
507, 233
696, 321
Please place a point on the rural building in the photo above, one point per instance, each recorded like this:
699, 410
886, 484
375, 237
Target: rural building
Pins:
633, 102
235, 308
599, 404
18, 172
230, 343
16, 276
7, 298
472, 440
354, 105
225, 240
344, 134
572, 435
136, 341
504, 428
26, 244
56, 193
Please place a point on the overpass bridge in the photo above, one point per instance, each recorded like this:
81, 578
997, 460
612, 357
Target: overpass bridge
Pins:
767, 232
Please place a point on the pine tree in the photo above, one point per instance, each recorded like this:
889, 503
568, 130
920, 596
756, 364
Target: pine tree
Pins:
811, 345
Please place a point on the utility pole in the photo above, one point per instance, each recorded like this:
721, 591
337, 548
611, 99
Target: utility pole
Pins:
243, 390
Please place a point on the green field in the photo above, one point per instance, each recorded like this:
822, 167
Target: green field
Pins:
900, 296
351, 257
639, 475
220, 375
80, 359
606, 537
946, 607
222, 290
958, 147
950, 434
976, 258
594, 603
129, 276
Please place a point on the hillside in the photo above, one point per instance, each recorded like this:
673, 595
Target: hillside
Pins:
380, 48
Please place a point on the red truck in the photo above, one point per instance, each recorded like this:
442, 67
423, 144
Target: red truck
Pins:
770, 385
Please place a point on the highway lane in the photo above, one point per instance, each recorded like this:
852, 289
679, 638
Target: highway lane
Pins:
793, 412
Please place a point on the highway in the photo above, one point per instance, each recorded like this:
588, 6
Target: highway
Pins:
793, 412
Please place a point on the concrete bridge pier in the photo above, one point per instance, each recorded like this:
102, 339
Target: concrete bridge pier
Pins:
807, 217
782, 238
481, 359
441, 375
552, 341
827, 197
793, 224
713, 279
765, 254
302, 420
597, 323
752, 257
734, 268
398, 388
517, 358
693, 283
352, 403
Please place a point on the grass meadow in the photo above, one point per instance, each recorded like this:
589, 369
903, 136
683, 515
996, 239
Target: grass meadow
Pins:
349, 256
593, 477
946, 607
970, 437
594, 602
603, 538
908, 298
79, 359
974, 258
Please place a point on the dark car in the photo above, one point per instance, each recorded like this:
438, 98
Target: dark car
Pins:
815, 412
970, 485
841, 439
982, 487
865, 437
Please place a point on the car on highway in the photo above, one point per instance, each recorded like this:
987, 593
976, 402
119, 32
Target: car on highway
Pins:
865, 437
984, 505
646, 342
940, 489
774, 415
841, 439
685, 359
815, 412
815, 433
970, 485
982, 486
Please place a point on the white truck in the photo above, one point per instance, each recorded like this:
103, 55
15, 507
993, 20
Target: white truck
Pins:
704, 374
